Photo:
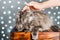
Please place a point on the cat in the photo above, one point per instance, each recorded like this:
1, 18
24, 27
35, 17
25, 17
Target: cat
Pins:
34, 21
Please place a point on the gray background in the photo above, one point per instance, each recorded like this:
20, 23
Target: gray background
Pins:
9, 9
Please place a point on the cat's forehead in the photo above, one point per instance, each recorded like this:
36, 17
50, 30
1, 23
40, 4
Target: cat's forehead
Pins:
31, 13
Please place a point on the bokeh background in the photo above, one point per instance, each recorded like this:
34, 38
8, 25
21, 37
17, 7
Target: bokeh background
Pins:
9, 9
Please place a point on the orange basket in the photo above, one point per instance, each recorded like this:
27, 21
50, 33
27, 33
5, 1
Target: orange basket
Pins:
41, 36
20, 36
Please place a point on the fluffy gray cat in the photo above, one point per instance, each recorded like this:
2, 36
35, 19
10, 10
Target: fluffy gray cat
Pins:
34, 21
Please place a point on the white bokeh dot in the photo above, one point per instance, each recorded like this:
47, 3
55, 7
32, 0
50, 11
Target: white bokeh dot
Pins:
12, 6
4, 2
18, 7
2, 32
58, 17
3, 28
58, 22
18, 2
57, 7
40, 0
49, 12
10, 17
2, 22
13, 19
10, 1
51, 17
55, 19
9, 21
6, 25
1, 18
3, 7
4, 35
8, 30
4, 12
7, 37
54, 13
9, 12
11, 27
0, 0
59, 12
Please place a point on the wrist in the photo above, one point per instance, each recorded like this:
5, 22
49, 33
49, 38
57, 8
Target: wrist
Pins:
48, 4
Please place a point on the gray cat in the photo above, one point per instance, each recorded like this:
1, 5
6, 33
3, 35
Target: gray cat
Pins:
34, 21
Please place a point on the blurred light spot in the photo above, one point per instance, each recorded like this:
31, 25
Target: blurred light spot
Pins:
18, 2
18, 7
57, 7
54, 13
58, 22
51, 17
3, 35
55, 19
9, 21
4, 2
1, 17
9, 12
8, 30
3, 7
3, 27
40, 0
10, 1
4, 12
7, 37
10, 17
12, 6
0, 0
13, 19
49, 12
2, 32
11, 27
58, 17
6, 25
2, 22
58, 12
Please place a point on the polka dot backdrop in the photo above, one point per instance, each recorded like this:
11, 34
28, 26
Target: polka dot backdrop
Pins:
9, 9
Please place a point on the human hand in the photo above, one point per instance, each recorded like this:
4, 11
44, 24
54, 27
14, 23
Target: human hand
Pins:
33, 6
39, 6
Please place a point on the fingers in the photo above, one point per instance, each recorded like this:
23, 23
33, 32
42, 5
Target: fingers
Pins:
24, 8
29, 6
